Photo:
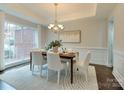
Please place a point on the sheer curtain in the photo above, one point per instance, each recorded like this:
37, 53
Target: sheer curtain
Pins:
2, 18
18, 41
20, 32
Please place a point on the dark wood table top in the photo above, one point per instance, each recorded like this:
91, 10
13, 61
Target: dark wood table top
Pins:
63, 55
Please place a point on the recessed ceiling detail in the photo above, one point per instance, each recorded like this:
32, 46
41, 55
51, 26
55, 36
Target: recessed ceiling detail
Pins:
43, 13
66, 11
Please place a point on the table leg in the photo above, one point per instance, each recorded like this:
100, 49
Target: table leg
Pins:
71, 71
30, 61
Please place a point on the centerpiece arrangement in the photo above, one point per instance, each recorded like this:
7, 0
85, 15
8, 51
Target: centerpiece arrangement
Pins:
54, 45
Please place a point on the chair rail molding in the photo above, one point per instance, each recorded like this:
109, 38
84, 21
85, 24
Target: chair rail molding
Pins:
98, 54
118, 67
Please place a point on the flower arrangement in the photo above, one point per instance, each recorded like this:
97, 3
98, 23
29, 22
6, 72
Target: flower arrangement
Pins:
56, 43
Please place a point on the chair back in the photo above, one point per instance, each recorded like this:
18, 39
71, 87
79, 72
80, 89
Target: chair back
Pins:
53, 61
77, 56
37, 58
87, 59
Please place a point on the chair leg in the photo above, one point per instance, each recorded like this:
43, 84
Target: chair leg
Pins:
41, 71
66, 72
58, 76
46, 71
47, 74
68, 66
32, 68
86, 76
38, 67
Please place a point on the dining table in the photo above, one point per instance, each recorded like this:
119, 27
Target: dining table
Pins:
68, 56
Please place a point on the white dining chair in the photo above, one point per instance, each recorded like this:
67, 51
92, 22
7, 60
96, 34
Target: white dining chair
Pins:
54, 63
82, 66
37, 60
68, 61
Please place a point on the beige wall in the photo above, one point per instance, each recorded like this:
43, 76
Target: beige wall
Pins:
43, 36
93, 32
17, 20
118, 15
118, 63
40, 36
22, 12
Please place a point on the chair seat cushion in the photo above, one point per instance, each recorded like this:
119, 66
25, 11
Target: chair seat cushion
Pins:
65, 60
79, 65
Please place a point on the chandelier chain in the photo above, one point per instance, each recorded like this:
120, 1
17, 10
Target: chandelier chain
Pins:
56, 27
56, 12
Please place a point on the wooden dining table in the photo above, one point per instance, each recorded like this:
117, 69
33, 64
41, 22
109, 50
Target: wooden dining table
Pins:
68, 56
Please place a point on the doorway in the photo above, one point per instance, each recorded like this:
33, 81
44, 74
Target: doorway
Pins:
110, 42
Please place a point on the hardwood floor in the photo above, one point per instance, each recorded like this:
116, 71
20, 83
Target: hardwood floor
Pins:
105, 78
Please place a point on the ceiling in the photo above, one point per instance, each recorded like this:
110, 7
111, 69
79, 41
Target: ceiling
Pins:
43, 13
104, 9
66, 11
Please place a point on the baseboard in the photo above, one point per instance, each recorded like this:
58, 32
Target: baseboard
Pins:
119, 78
108, 65
97, 62
118, 67
16, 63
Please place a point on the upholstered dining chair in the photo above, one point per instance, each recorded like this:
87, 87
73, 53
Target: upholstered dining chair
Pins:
54, 63
67, 62
37, 60
82, 66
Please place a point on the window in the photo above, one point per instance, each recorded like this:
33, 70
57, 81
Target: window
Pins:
18, 42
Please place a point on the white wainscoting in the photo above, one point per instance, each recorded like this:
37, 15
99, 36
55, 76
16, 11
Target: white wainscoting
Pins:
118, 67
98, 55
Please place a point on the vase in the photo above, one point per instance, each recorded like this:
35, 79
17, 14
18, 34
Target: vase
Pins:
55, 49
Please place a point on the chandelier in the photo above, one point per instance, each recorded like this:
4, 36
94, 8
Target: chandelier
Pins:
56, 27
